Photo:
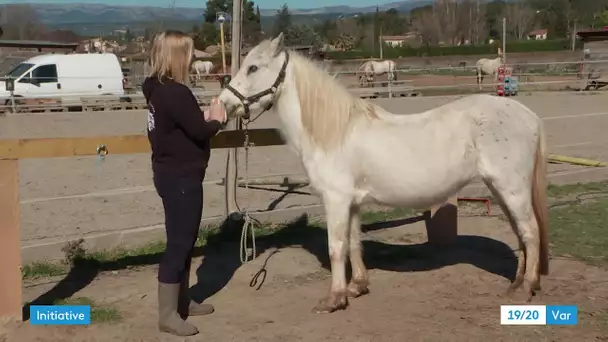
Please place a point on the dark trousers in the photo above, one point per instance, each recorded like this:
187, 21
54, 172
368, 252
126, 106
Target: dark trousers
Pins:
183, 203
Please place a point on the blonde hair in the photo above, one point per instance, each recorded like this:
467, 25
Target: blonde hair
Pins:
171, 55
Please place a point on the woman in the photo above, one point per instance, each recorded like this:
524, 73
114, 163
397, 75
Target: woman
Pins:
179, 134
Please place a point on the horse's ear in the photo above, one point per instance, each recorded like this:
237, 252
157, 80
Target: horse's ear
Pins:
277, 44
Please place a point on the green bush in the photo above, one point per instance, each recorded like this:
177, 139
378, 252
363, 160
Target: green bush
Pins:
431, 51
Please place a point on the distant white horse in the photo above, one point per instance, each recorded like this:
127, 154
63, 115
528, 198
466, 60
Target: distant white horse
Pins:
487, 66
370, 69
355, 152
202, 67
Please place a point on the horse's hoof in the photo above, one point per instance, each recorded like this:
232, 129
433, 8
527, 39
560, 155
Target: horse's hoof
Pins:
332, 303
514, 286
530, 290
357, 289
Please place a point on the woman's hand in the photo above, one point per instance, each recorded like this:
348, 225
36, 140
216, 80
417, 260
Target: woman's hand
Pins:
216, 111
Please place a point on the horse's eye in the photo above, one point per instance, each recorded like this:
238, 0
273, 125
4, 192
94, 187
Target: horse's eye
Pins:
252, 69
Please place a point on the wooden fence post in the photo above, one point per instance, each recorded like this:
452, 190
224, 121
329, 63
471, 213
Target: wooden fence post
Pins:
442, 223
10, 251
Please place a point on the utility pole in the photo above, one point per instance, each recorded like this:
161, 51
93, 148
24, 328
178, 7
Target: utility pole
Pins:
504, 41
230, 183
574, 36
381, 45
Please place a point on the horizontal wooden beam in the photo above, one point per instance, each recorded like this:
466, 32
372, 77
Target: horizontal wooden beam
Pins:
126, 144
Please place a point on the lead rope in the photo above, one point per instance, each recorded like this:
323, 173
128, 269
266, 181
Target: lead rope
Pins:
248, 224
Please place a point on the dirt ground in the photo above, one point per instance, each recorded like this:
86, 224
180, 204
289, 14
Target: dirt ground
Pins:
418, 292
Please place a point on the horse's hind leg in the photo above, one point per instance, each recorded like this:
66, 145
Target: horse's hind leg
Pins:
337, 209
359, 280
516, 201
521, 261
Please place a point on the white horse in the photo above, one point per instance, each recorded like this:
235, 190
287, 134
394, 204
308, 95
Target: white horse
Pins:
355, 152
486, 66
203, 67
370, 69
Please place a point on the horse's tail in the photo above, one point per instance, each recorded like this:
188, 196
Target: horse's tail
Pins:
539, 200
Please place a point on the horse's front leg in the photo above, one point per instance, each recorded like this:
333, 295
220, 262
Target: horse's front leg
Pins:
360, 279
337, 215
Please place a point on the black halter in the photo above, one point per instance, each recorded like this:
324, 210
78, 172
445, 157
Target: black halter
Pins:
246, 101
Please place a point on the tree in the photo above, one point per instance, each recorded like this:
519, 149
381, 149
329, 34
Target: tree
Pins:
452, 22
282, 20
20, 22
344, 42
210, 35
494, 10
215, 6
558, 15
601, 19
520, 17
252, 24
302, 35
328, 31
129, 35
148, 34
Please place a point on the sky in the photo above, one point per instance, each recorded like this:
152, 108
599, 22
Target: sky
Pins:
266, 4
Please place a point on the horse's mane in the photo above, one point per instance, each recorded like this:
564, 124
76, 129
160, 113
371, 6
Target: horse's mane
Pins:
327, 108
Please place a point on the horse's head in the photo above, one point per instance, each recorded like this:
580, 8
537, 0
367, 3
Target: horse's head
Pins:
255, 86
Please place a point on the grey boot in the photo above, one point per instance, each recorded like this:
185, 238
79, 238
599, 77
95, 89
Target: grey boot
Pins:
188, 307
168, 319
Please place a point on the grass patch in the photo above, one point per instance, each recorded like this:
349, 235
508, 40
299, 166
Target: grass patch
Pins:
579, 230
559, 191
99, 313
42, 270
380, 216
122, 253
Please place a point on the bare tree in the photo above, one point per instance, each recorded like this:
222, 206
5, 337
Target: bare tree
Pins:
472, 20
20, 22
446, 20
452, 22
426, 25
519, 17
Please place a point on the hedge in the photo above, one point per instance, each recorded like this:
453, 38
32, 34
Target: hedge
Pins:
431, 51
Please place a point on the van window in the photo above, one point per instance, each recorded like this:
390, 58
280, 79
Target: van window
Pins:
45, 74
27, 78
19, 70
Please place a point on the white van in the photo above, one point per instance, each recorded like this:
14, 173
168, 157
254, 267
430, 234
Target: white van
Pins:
66, 77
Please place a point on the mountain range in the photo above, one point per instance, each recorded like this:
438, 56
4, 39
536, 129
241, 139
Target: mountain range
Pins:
57, 14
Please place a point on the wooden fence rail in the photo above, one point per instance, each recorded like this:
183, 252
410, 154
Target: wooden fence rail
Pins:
441, 220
